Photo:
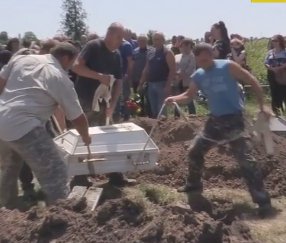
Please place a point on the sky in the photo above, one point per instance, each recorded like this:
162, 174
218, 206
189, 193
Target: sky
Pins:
187, 17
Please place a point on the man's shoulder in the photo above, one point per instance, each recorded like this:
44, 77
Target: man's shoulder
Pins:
95, 44
126, 43
125, 46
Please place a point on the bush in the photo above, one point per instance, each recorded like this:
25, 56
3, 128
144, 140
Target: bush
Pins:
256, 52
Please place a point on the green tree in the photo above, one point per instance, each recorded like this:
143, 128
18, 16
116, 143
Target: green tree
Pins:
4, 37
150, 36
74, 16
30, 36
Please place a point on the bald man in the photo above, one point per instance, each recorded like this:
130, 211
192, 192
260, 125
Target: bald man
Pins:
98, 60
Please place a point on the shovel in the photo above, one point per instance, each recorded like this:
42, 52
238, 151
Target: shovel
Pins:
262, 133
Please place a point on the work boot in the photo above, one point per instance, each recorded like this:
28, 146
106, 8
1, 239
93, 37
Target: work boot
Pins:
118, 180
191, 187
264, 209
263, 200
30, 195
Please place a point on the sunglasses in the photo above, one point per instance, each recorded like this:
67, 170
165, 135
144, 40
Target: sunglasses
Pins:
274, 40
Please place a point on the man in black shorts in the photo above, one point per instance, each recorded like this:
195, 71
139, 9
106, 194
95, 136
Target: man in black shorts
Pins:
98, 60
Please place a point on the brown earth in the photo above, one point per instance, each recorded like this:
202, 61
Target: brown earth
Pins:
120, 218
173, 138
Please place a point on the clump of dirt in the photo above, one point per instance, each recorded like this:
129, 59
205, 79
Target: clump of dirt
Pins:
170, 131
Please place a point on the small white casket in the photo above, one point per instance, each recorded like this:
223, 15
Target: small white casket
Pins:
116, 148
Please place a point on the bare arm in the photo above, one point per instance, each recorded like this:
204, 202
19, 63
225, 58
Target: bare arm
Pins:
80, 68
247, 78
60, 117
170, 58
81, 125
144, 75
185, 97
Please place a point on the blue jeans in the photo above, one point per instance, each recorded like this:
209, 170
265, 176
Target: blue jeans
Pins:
156, 96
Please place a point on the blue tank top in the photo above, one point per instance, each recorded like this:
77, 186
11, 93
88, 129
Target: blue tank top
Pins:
158, 67
221, 89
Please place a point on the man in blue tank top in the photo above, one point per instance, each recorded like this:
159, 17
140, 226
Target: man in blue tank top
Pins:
218, 80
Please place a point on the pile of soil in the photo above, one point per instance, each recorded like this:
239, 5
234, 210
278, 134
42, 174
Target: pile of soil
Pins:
173, 137
120, 219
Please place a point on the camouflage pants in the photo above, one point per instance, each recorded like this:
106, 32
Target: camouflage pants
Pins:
227, 128
38, 150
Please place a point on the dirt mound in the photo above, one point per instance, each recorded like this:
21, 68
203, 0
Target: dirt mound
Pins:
170, 131
119, 220
173, 138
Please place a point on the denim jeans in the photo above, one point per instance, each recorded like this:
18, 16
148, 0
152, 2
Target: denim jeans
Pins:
156, 96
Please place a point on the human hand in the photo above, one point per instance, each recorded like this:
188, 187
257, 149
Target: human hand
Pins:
170, 100
105, 79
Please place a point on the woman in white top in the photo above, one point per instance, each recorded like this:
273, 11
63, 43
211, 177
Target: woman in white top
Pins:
185, 67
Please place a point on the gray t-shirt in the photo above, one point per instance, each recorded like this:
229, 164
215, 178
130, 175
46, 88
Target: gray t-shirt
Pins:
36, 85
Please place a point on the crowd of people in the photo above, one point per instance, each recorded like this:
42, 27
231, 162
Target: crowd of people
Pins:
56, 80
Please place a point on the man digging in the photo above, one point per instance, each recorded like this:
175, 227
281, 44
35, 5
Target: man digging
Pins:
219, 80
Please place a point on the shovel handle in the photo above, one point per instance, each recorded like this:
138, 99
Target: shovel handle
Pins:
89, 152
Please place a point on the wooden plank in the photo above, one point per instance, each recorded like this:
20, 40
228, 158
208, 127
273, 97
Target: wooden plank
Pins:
92, 196
77, 192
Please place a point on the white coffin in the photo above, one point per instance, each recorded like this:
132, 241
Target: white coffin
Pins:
116, 148
278, 124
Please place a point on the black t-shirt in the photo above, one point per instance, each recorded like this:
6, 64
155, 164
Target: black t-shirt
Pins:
101, 60
223, 49
5, 56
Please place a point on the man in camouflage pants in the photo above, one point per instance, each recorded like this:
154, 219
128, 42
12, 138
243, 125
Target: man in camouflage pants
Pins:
31, 88
218, 79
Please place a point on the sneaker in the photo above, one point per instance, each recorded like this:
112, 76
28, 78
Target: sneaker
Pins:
191, 188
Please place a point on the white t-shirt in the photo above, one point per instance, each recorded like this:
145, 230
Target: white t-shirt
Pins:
186, 63
36, 84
